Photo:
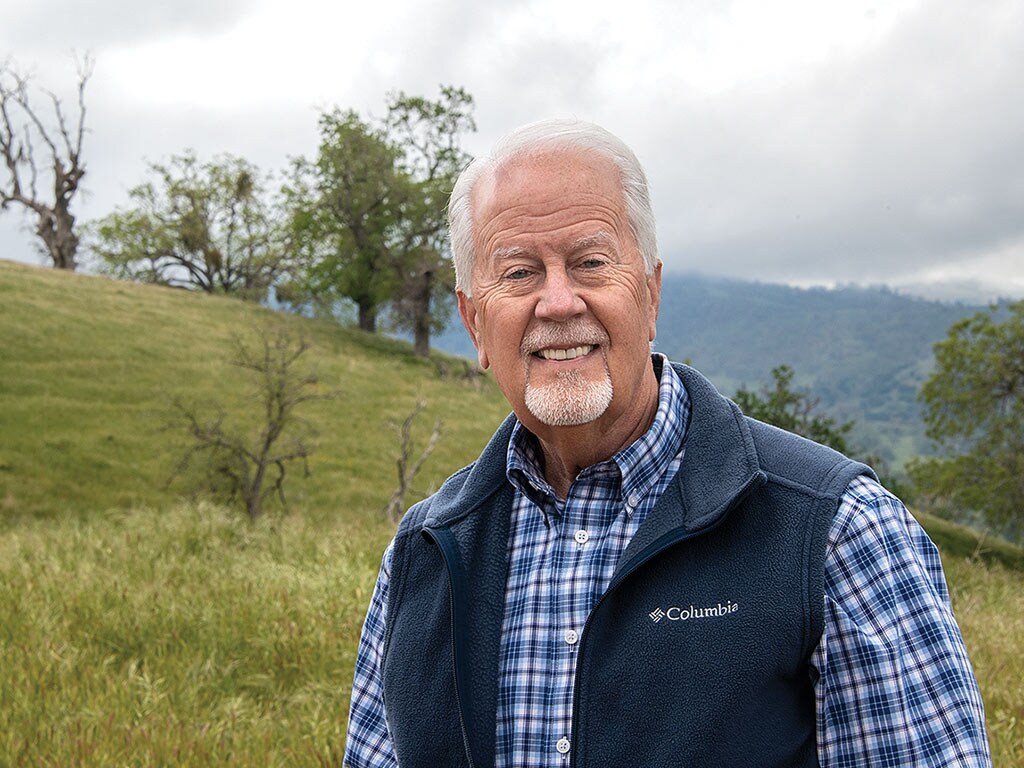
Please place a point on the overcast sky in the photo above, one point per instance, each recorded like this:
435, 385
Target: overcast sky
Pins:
800, 141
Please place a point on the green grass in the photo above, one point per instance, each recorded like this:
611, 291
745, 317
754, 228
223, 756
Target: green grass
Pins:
139, 627
89, 366
988, 600
180, 637
186, 636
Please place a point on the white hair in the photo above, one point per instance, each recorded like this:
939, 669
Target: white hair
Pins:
536, 138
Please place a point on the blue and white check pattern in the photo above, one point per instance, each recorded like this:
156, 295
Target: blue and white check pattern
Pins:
894, 686
560, 563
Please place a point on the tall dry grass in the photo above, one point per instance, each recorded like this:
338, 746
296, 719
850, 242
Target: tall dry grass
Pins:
179, 638
189, 637
988, 600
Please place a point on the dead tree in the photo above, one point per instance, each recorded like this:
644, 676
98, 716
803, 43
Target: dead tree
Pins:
23, 134
252, 465
406, 471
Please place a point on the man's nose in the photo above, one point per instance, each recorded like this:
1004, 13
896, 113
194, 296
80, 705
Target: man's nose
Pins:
559, 299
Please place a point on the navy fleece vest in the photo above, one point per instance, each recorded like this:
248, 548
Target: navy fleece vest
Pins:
697, 654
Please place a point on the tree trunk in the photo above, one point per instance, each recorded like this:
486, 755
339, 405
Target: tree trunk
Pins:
252, 506
367, 317
56, 229
254, 492
422, 340
421, 307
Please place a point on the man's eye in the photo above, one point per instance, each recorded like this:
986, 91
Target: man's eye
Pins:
518, 274
592, 263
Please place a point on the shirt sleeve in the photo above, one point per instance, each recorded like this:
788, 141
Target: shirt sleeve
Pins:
369, 742
894, 685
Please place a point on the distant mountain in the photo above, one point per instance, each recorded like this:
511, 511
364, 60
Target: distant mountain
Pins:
864, 352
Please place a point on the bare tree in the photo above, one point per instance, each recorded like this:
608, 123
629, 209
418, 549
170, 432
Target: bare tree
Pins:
407, 471
248, 465
23, 133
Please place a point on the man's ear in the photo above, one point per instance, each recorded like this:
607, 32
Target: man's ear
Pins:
654, 289
467, 311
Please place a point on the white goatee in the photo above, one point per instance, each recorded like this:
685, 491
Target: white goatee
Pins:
571, 399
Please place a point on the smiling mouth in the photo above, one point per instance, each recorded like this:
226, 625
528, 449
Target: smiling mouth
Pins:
565, 354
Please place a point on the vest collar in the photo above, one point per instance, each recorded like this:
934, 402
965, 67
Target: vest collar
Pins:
720, 461
720, 465
482, 479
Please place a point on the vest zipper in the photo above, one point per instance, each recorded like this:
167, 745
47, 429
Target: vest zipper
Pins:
659, 545
449, 566
655, 548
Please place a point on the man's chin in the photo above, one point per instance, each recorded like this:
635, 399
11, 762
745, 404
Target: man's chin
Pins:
569, 403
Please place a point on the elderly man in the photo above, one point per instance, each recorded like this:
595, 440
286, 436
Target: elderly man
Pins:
633, 573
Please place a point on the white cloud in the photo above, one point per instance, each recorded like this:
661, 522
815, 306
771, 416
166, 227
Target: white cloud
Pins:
796, 140
48, 27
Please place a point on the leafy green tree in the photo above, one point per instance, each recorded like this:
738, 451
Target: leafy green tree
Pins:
344, 208
208, 226
974, 411
368, 214
793, 409
429, 133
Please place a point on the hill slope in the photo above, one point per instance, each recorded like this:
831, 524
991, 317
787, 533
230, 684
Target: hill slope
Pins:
89, 366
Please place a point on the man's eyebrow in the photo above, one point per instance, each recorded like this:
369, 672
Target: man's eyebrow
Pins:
508, 252
599, 238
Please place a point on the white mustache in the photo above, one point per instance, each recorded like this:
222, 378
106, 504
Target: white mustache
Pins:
572, 333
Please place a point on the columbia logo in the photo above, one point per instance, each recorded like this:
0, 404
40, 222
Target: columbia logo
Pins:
676, 613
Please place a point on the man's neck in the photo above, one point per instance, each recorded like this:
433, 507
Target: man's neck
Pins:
567, 451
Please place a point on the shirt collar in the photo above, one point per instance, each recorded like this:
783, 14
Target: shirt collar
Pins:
639, 465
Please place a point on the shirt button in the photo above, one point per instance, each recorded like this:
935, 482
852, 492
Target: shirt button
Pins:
571, 636
562, 746
633, 500
581, 536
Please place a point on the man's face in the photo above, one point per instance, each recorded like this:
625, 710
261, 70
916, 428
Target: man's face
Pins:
561, 309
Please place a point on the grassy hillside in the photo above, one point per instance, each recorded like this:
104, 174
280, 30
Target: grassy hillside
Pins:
140, 627
89, 366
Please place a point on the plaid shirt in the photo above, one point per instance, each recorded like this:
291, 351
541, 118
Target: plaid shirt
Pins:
893, 683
